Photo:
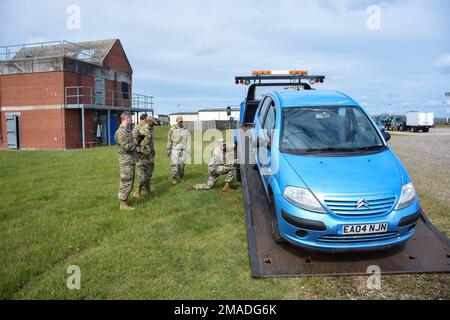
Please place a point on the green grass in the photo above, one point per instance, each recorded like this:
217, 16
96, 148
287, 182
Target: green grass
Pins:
60, 208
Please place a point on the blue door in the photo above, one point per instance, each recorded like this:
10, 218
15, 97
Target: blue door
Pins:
113, 126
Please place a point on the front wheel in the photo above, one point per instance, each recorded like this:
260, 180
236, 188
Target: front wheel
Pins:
274, 226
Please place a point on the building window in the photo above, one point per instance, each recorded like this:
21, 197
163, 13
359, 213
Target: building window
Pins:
125, 92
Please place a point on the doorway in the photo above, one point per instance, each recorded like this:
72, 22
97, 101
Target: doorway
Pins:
12, 131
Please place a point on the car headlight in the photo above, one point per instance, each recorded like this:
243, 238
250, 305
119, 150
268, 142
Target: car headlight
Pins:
408, 196
304, 199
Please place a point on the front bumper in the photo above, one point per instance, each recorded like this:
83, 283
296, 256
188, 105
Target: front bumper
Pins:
319, 232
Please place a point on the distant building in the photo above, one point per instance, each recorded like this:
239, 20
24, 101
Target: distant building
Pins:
215, 118
164, 119
217, 114
187, 117
62, 95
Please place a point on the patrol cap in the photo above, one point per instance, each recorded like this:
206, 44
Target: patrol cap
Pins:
144, 116
151, 120
180, 119
221, 141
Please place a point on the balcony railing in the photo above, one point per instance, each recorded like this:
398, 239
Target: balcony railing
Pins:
50, 49
113, 99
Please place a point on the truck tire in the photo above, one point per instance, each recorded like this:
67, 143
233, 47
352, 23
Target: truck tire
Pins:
426, 130
274, 227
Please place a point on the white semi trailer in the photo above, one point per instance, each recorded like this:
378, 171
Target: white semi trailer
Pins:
419, 120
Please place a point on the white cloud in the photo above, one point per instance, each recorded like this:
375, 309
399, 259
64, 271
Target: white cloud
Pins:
443, 63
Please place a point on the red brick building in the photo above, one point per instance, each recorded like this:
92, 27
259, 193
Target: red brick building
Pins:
63, 95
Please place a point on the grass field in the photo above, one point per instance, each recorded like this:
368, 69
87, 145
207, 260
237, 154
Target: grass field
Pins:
59, 209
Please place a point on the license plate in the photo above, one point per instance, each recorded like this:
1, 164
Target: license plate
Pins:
353, 229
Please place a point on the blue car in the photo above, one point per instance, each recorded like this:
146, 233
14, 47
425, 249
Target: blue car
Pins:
332, 180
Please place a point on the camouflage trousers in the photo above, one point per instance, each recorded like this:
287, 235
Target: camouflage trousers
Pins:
213, 175
126, 179
145, 168
177, 163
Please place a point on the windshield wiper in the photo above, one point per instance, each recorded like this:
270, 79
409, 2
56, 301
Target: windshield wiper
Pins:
370, 148
330, 149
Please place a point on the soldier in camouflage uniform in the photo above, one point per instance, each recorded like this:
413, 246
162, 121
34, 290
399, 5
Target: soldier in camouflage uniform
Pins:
151, 122
178, 144
146, 151
222, 163
127, 159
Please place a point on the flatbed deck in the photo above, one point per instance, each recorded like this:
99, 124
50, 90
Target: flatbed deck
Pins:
427, 252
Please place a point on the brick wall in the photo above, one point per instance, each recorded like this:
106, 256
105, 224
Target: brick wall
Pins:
117, 59
38, 129
32, 89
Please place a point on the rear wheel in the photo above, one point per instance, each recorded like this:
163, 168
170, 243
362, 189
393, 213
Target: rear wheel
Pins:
274, 226
426, 130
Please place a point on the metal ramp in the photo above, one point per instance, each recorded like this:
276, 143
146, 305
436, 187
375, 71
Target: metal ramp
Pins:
427, 252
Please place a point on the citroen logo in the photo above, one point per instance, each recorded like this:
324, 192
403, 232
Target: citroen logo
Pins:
362, 203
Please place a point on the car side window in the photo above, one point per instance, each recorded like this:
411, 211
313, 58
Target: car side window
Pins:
263, 110
269, 122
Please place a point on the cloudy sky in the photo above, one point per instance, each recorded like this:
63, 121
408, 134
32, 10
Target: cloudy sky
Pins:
186, 53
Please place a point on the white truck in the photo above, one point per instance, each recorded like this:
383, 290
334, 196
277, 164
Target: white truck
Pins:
419, 120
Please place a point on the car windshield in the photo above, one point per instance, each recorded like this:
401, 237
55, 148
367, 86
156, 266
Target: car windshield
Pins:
327, 129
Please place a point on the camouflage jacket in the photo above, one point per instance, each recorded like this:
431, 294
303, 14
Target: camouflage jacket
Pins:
126, 145
221, 158
178, 139
146, 147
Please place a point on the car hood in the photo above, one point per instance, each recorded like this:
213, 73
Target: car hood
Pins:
358, 175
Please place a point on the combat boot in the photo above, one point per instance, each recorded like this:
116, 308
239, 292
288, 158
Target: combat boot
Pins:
145, 192
137, 194
125, 207
226, 188
174, 181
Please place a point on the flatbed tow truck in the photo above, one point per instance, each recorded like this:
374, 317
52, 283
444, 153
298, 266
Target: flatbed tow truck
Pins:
427, 252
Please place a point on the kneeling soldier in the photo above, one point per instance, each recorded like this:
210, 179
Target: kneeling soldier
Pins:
222, 164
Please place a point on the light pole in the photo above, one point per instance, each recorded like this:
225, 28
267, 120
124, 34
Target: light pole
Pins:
447, 94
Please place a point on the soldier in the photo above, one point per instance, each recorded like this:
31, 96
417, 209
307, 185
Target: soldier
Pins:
222, 163
178, 144
146, 151
151, 122
127, 159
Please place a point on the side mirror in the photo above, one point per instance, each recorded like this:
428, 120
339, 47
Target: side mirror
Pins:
261, 142
387, 136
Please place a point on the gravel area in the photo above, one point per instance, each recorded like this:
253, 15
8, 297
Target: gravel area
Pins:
426, 156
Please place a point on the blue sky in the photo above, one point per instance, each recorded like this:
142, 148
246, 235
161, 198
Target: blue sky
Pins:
186, 53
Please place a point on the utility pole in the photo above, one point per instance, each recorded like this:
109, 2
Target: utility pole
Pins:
447, 94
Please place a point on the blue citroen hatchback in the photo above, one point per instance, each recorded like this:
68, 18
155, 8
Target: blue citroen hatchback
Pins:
333, 182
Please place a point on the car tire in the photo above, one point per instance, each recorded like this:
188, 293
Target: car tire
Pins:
274, 227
